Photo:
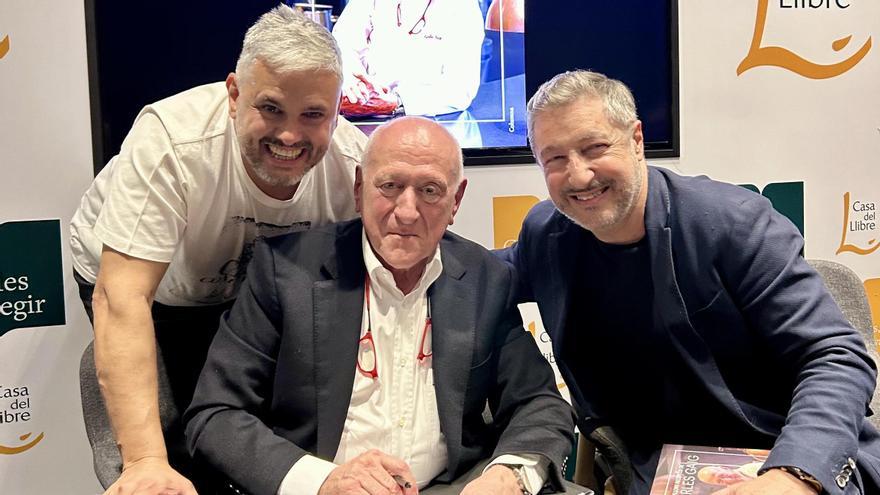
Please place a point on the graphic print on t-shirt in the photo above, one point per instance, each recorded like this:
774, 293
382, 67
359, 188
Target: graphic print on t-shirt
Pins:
231, 273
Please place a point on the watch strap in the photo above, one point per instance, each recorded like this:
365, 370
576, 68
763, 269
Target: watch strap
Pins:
520, 477
803, 476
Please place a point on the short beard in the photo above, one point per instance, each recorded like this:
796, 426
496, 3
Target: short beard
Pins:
622, 209
276, 181
252, 155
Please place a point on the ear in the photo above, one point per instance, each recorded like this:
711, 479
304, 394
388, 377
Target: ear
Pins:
358, 187
638, 140
232, 90
459, 194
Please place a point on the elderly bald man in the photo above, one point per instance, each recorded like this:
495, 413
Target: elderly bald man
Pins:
359, 357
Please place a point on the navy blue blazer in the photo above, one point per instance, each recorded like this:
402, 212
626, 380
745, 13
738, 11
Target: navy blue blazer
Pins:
277, 381
745, 312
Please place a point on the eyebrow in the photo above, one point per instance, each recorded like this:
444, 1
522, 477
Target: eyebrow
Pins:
397, 176
263, 98
315, 106
583, 138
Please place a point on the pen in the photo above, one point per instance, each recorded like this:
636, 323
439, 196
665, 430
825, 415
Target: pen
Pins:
401, 481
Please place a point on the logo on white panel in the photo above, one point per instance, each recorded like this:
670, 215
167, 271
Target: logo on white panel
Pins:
860, 226
15, 413
761, 55
31, 277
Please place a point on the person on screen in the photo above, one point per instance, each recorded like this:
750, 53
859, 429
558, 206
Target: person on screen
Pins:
681, 309
376, 344
163, 236
419, 57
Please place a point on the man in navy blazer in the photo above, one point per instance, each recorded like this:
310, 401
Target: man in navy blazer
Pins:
682, 310
320, 357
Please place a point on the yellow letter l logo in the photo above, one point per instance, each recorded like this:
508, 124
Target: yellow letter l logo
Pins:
782, 57
4, 46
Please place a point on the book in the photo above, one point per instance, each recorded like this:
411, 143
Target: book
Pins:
694, 470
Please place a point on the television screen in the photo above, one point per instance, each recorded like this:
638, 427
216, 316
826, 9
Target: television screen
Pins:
635, 42
460, 62
469, 63
473, 63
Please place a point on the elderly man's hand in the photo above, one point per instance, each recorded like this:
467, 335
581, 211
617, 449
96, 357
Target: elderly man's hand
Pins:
369, 473
497, 480
151, 476
775, 481
360, 87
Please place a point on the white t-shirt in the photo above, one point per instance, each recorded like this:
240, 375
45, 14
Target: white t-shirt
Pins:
178, 193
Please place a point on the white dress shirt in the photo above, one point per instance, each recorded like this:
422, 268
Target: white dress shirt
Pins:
395, 412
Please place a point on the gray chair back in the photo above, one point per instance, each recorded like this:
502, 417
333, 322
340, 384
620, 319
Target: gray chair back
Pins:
105, 453
848, 292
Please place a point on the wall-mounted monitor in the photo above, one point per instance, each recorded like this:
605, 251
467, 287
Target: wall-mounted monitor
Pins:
634, 41
471, 64
474, 63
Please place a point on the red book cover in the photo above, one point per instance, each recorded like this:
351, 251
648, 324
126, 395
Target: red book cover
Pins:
693, 470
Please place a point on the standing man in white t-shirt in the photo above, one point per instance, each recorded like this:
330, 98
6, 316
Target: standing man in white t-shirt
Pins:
163, 236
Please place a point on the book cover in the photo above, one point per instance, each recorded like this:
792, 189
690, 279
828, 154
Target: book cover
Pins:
693, 470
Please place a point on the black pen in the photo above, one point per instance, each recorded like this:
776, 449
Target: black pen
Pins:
401, 481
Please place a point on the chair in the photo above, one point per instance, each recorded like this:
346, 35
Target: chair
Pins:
105, 454
602, 463
848, 292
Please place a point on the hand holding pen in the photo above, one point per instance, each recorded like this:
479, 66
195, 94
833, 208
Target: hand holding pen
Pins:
371, 472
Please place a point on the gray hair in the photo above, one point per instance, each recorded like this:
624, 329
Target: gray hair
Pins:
286, 41
617, 99
367, 157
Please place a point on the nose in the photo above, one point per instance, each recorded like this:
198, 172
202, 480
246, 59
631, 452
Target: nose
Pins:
289, 133
406, 209
580, 172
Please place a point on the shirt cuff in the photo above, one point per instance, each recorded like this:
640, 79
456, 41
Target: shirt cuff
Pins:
534, 468
306, 476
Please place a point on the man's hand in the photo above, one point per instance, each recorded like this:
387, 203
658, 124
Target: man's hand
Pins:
370, 473
775, 481
151, 476
497, 480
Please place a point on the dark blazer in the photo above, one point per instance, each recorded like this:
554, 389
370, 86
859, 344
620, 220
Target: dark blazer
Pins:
279, 374
743, 310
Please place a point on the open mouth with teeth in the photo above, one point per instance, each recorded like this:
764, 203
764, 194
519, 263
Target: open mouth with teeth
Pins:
590, 196
285, 153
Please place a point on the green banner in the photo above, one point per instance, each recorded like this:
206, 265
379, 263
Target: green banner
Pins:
787, 198
31, 278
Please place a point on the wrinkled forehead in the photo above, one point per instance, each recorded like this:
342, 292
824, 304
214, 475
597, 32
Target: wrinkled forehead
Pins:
421, 148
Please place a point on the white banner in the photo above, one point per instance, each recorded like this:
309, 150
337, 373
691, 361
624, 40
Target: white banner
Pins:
45, 151
780, 96
787, 92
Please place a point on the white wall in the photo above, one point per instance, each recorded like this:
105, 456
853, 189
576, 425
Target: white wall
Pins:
45, 155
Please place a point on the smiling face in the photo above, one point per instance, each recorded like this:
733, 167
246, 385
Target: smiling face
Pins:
284, 123
408, 192
595, 171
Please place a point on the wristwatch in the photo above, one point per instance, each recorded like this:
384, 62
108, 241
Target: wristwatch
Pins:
803, 476
520, 474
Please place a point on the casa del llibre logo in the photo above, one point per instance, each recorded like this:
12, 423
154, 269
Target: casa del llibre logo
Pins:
4, 46
776, 56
